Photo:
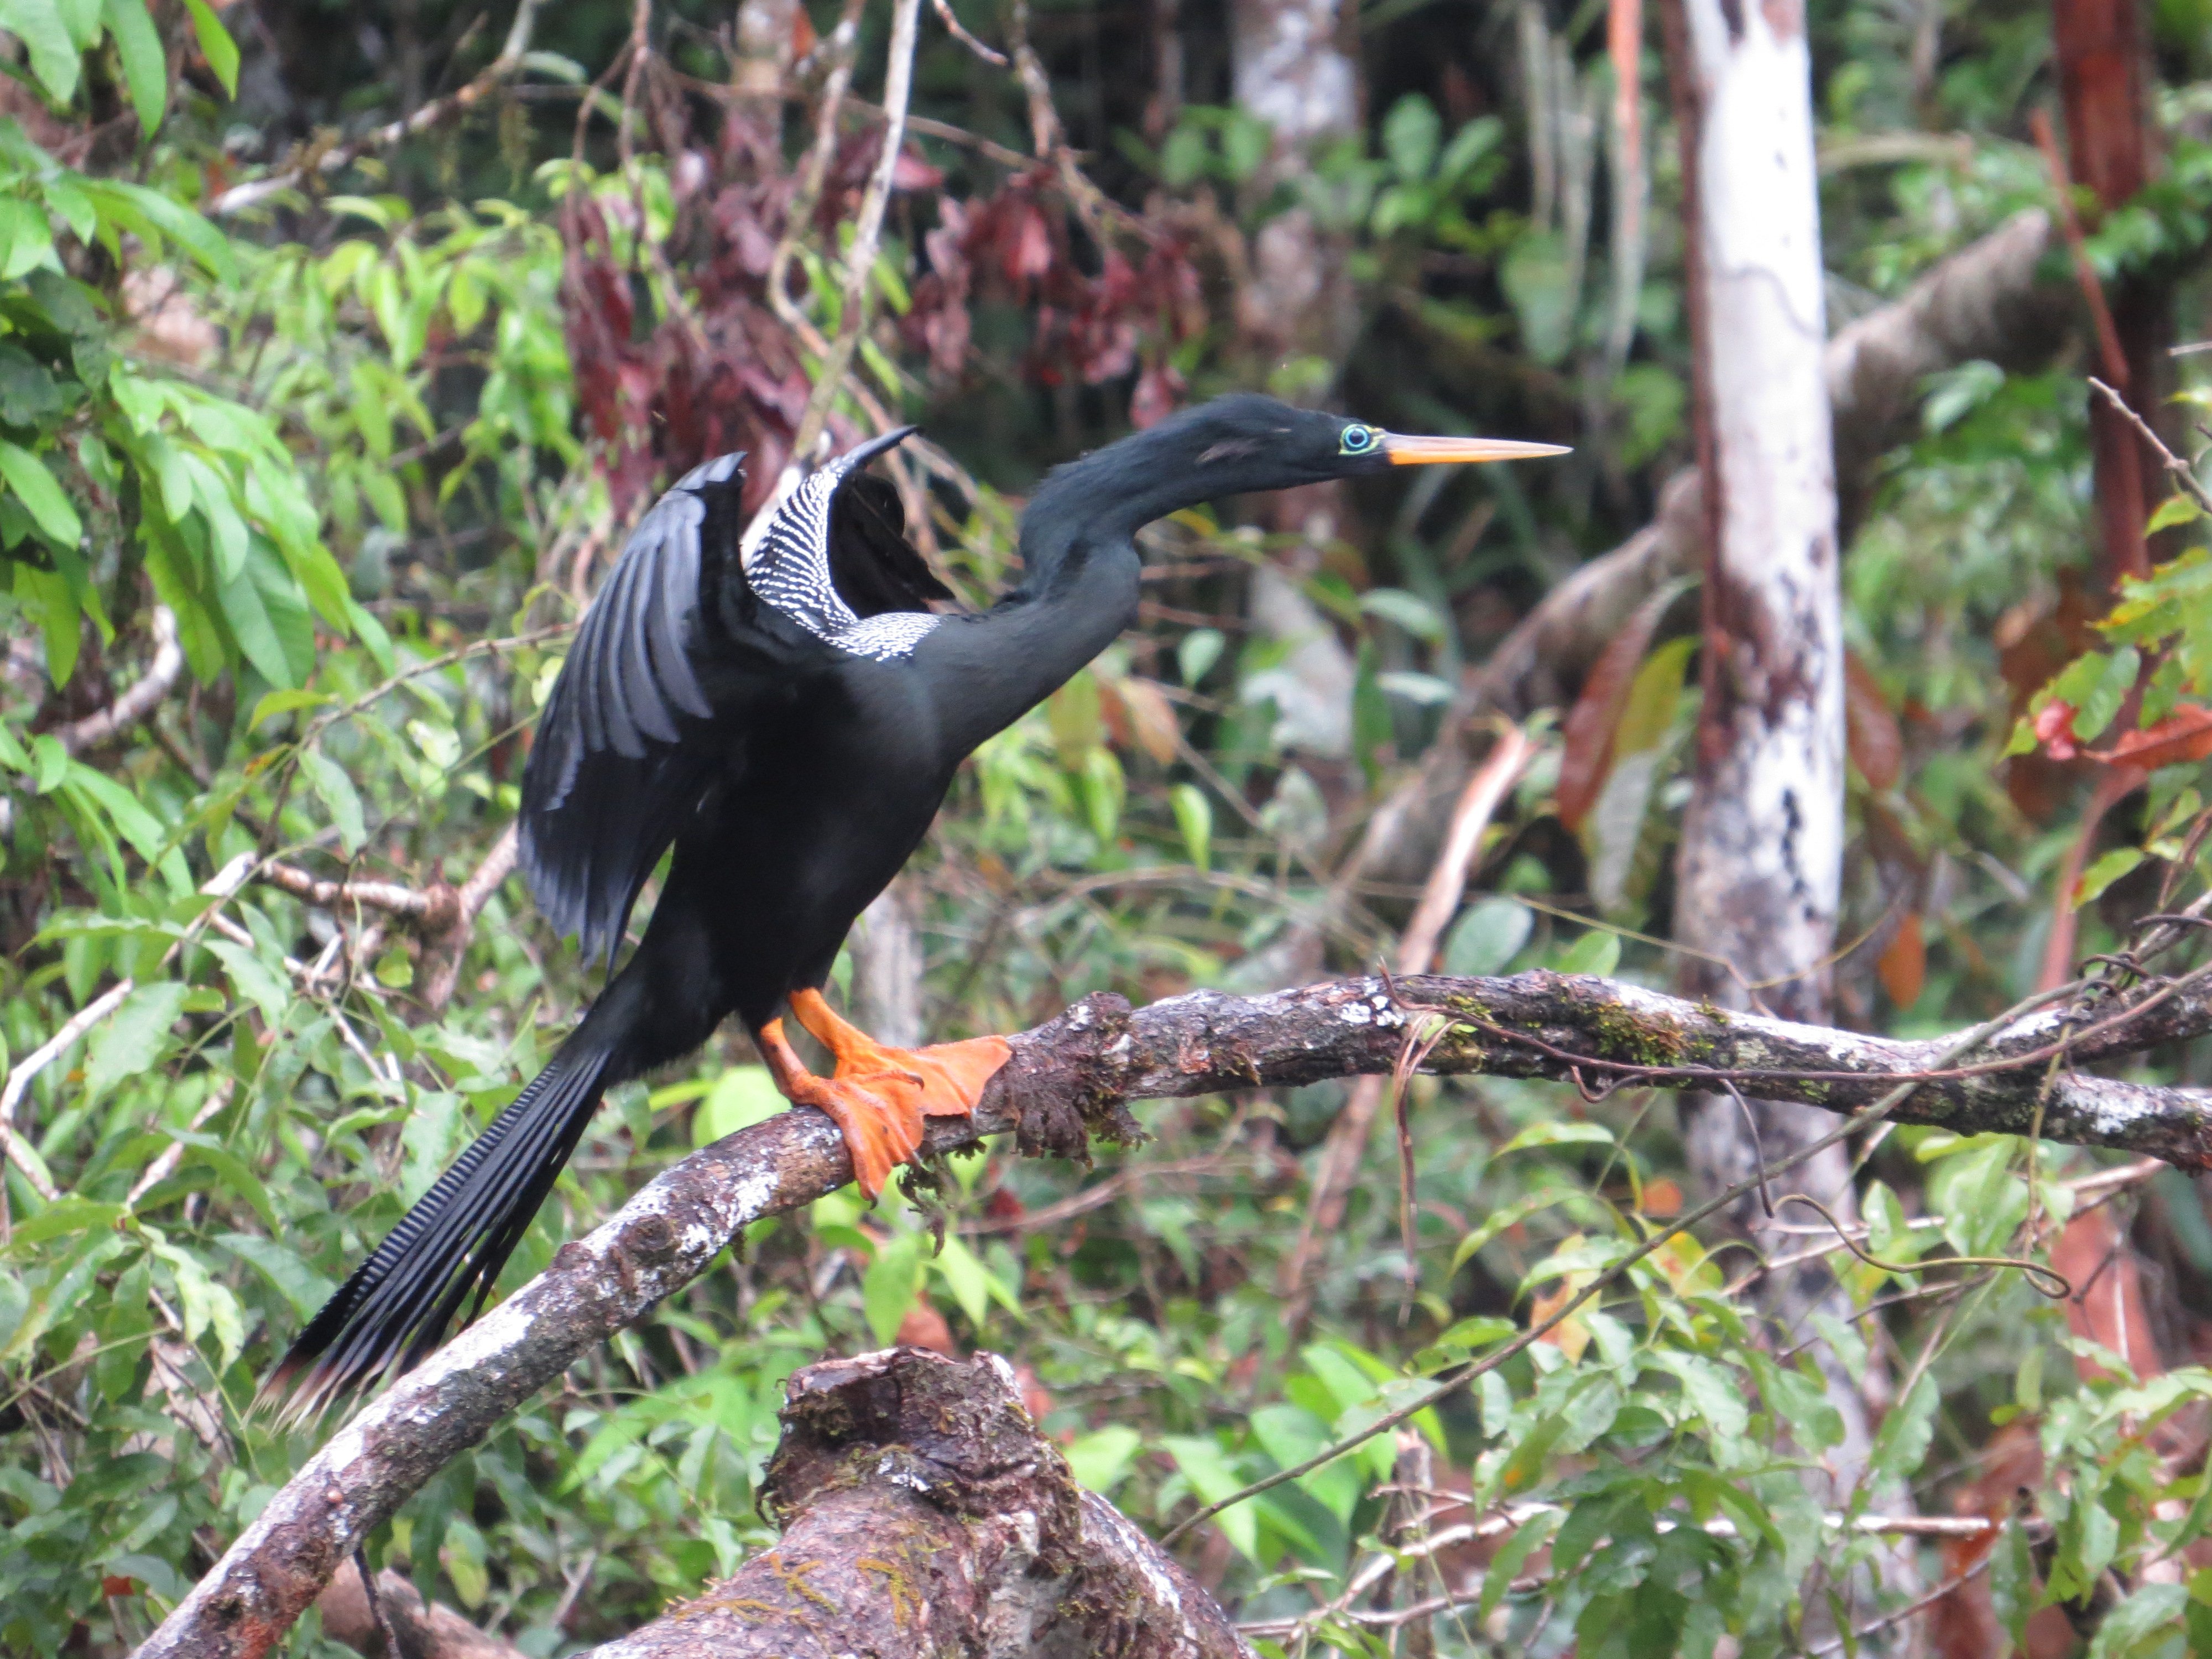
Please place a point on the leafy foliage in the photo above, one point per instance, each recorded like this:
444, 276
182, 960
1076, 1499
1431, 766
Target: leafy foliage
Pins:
370, 450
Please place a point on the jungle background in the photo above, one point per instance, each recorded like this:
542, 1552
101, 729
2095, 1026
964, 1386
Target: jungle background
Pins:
339, 346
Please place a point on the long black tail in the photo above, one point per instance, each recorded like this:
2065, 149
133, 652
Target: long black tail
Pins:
396, 1308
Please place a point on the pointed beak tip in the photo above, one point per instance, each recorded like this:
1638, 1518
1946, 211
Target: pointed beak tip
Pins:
1407, 451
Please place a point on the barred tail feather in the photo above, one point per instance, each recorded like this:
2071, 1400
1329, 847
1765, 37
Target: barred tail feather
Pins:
395, 1309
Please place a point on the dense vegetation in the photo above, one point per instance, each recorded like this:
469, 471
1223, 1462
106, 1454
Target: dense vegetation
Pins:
332, 465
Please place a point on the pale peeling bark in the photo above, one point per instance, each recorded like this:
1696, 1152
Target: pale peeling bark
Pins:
1069, 1081
1288, 69
1288, 66
924, 1514
1760, 871
1762, 845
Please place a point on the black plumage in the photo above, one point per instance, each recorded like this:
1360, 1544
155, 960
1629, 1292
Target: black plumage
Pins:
791, 726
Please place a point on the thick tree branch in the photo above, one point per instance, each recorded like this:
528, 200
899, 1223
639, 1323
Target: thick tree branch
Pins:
1069, 1081
924, 1513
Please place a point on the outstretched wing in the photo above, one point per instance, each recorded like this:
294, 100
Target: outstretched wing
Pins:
624, 751
647, 716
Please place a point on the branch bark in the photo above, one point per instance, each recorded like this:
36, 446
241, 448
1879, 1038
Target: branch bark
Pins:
426, 1630
443, 914
1068, 1082
143, 698
924, 1513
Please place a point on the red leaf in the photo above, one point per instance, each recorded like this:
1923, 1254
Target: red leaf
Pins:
1596, 714
1903, 965
1870, 731
2184, 735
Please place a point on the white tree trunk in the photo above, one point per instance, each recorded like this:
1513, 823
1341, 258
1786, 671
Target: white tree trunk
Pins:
1761, 858
1287, 68
1762, 851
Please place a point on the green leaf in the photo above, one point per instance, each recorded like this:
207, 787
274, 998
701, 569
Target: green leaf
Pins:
25, 241
1199, 650
299, 1284
145, 70
1208, 1469
887, 1288
274, 703
1596, 952
206, 1305
33, 484
1558, 1133
221, 50
740, 1098
2109, 868
1487, 936
1101, 1460
1530, 1537
2104, 698
2173, 510
966, 1277
1409, 612
1511, 1215
134, 1036
254, 981
336, 791
2143, 1623
54, 57
153, 217
1194, 816
65, 1215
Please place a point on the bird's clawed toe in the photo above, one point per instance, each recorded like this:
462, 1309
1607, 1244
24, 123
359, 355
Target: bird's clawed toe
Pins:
879, 1096
880, 1118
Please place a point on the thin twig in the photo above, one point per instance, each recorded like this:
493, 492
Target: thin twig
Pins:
2183, 474
958, 31
36, 1061
339, 157
867, 230
391, 897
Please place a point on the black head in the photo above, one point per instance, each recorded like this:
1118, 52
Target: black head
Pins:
1238, 445
1248, 442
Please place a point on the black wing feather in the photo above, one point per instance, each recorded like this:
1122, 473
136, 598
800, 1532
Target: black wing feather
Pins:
630, 742
624, 751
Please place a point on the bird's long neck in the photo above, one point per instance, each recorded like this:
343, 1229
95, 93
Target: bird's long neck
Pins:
1104, 499
1079, 576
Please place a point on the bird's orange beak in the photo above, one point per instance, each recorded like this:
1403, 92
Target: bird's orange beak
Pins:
1405, 450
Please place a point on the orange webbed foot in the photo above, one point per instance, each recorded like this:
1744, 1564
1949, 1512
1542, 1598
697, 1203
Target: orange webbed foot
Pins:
879, 1096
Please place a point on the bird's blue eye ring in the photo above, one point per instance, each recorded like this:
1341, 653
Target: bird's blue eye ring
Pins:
1359, 440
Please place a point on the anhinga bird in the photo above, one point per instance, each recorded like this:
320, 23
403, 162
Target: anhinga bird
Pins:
790, 724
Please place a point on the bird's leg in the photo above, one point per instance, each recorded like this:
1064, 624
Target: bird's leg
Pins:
877, 1095
951, 1074
881, 1120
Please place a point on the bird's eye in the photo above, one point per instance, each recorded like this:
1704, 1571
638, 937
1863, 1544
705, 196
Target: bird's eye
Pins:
1359, 440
